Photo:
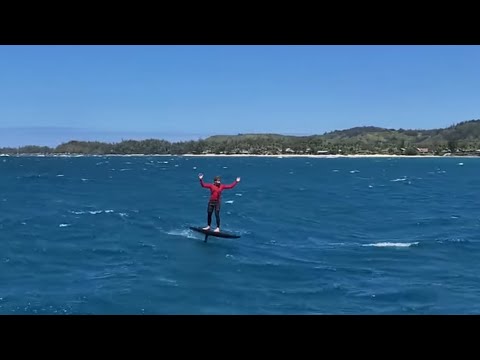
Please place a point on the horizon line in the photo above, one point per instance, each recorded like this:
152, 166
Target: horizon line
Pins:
118, 136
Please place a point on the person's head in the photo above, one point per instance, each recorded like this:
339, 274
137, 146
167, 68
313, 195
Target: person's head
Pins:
217, 180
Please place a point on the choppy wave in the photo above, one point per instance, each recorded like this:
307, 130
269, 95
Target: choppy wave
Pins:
334, 236
392, 244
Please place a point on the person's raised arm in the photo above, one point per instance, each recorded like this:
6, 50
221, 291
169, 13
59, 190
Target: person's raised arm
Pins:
200, 177
232, 185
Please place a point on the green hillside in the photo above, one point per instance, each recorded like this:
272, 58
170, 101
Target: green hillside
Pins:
461, 138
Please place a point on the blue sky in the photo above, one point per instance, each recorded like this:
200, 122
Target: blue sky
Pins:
53, 94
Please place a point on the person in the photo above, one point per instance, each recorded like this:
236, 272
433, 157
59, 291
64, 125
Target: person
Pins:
215, 198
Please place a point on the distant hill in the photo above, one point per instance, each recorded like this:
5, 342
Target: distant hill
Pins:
255, 136
463, 137
463, 131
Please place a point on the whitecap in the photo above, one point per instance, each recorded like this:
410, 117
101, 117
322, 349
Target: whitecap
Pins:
391, 244
183, 233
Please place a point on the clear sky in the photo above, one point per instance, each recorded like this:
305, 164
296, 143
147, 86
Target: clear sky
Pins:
53, 94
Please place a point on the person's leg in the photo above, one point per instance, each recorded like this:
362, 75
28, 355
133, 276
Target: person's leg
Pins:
209, 216
217, 216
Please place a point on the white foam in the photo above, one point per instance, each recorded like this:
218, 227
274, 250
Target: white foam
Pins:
399, 179
60, 175
63, 225
123, 214
461, 164
84, 179
166, 280
238, 194
229, 202
335, 170
391, 244
93, 212
354, 171
184, 233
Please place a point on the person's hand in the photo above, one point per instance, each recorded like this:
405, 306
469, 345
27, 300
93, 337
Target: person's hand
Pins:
238, 179
200, 176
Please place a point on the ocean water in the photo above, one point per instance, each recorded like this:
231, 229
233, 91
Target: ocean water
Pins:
109, 235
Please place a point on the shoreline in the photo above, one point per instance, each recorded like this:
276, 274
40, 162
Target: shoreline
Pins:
333, 156
283, 156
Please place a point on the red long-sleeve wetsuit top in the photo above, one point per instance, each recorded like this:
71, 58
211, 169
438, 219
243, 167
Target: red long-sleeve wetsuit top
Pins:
216, 191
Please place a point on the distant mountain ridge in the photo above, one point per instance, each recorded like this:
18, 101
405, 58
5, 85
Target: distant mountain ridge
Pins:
462, 137
461, 131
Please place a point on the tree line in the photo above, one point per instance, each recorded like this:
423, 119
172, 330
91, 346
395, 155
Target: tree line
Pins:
463, 137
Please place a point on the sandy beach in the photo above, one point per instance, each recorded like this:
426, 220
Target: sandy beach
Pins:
331, 156
283, 156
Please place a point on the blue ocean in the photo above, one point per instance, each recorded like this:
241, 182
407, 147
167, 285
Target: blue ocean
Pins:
110, 235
